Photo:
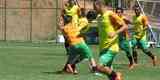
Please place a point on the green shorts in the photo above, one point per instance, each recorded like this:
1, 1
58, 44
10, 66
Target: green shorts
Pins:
143, 44
125, 45
106, 57
81, 49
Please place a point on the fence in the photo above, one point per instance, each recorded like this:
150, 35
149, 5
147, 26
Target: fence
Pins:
31, 20
151, 7
34, 20
28, 19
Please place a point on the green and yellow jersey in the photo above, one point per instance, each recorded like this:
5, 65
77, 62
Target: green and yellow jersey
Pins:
72, 31
140, 24
125, 34
72, 11
83, 23
108, 22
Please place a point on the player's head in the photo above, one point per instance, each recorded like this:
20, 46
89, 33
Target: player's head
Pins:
82, 12
91, 15
137, 10
98, 5
71, 2
119, 11
67, 19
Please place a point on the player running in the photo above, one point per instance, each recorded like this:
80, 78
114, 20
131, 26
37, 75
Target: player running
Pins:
78, 47
124, 39
70, 9
140, 23
110, 25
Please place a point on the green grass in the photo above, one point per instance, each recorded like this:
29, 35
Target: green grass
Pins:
40, 61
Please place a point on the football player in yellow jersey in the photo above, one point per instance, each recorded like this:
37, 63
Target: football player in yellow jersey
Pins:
140, 23
110, 25
69, 9
124, 39
78, 47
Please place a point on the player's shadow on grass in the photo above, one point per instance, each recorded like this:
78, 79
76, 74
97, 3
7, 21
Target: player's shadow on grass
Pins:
48, 72
56, 72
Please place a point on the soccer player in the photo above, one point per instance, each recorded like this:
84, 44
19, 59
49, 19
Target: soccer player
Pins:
124, 39
140, 23
70, 9
77, 43
110, 25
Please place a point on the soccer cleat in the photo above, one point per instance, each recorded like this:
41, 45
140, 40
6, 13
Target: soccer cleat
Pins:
117, 76
154, 60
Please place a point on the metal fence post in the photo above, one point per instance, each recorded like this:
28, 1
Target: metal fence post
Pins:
31, 21
5, 20
153, 8
56, 20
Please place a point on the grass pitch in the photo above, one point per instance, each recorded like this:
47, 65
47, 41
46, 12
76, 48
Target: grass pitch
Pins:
40, 61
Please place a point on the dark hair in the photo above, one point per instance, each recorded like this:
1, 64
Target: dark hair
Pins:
91, 15
119, 8
71, 1
67, 19
137, 8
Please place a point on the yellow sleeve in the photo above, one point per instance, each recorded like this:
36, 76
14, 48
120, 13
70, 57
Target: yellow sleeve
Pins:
116, 20
77, 9
145, 20
83, 22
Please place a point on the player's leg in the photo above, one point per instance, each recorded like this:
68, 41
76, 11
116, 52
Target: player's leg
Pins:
126, 46
79, 52
69, 63
87, 53
106, 59
144, 47
70, 67
109, 72
66, 44
134, 53
74, 57
67, 47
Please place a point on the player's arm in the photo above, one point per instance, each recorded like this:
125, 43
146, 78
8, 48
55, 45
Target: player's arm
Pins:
145, 22
83, 23
127, 21
83, 26
117, 21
